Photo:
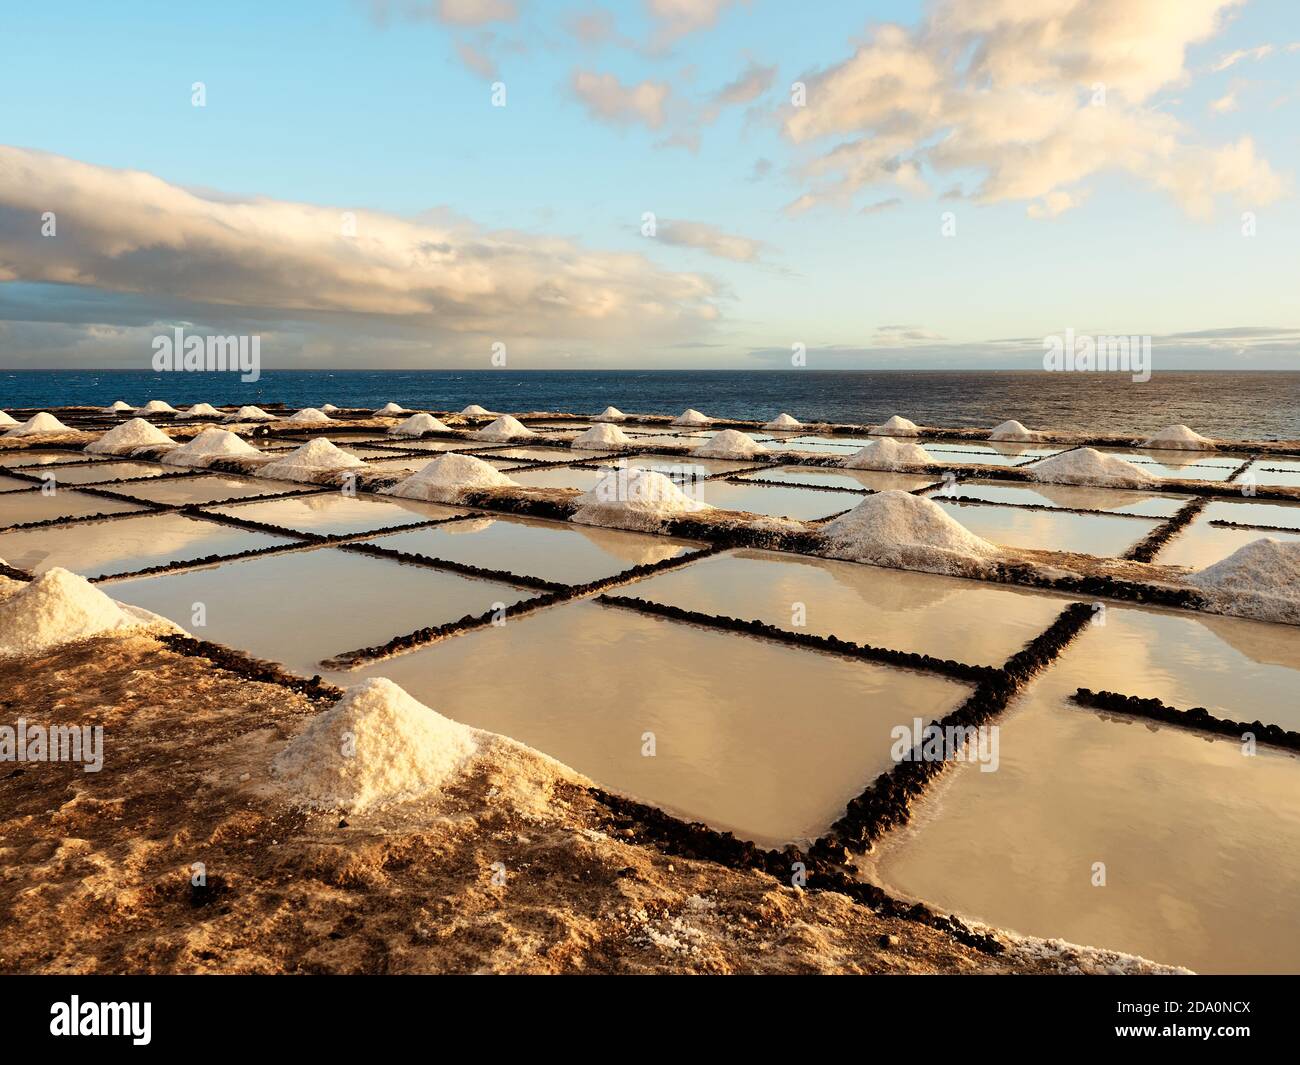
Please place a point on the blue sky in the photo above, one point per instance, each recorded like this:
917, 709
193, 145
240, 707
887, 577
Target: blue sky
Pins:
376, 109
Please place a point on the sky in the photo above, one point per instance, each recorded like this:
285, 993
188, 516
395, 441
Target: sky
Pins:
654, 183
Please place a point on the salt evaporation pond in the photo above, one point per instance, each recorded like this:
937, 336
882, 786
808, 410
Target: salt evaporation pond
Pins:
803, 504
46, 458
199, 488
1201, 844
750, 736
301, 606
18, 508
830, 477
905, 611
1201, 544
1074, 497
336, 513
1043, 530
95, 472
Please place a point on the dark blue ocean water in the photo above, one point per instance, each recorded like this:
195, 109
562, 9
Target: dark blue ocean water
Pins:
1231, 405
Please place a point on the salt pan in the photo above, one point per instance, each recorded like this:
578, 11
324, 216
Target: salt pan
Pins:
309, 461
1180, 438
610, 414
504, 428
634, 498
118, 407
392, 408
897, 426
602, 436
690, 416
784, 421
201, 410
475, 411
308, 416
888, 454
417, 425
38, 424
158, 406
1012, 430
249, 414
907, 532
730, 444
448, 477
127, 437
1086, 465
208, 446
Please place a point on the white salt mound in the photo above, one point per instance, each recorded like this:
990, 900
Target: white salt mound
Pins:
305, 463
417, 425
448, 477
308, 416
125, 438
329, 408
907, 532
896, 426
39, 423
1012, 430
888, 454
377, 746
1086, 465
6, 420
610, 414
634, 498
60, 607
1181, 438
200, 410
117, 406
208, 446
158, 406
392, 408
730, 444
690, 416
249, 414
602, 436
506, 427
1260, 580
784, 421
475, 411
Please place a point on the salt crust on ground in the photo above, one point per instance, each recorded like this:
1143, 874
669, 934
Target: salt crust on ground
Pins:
690, 416
730, 444
5, 419
507, 427
158, 406
60, 607
200, 410
1076, 959
604, 435
309, 461
1180, 438
1012, 430
377, 746
1088, 466
418, 424
125, 438
896, 426
39, 423
448, 477
249, 414
907, 532
634, 498
392, 408
209, 445
308, 416
784, 421
610, 414
888, 454
1260, 580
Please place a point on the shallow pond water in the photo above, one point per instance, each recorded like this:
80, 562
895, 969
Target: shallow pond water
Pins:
338, 513
1044, 530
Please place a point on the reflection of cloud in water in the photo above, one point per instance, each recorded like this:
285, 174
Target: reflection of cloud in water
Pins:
1261, 642
633, 548
885, 591
469, 525
1082, 498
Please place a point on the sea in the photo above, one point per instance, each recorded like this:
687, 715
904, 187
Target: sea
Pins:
1224, 404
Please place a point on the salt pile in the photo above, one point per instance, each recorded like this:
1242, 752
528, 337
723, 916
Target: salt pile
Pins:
784, 421
475, 411
1087, 466
1260, 580
1012, 430
888, 454
6, 420
59, 607
417, 425
309, 461
504, 428
602, 436
200, 410
208, 446
690, 416
308, 416
896, 426
158, 406
730, 444
125, 438
329, 408
907, 532
1181, 438
634, 498
249, 414
448, 477
610, 414
118, 407
375, 747
392, 408
39, 423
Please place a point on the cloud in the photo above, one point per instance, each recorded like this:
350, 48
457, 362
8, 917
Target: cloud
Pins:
609, 100
1029, 100
709, 238
748, 86
881, 206
1231, 59
678, 18
448, 12
134, 235
1225, 103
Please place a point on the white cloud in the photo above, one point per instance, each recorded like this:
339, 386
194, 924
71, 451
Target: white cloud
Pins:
608, 99
709, 238
1031, 100
677, 18
1231, 59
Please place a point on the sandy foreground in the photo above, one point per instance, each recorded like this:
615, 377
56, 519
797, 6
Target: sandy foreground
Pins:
96, 868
